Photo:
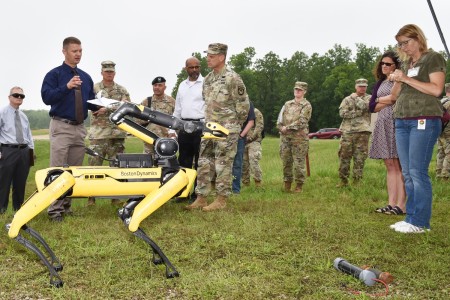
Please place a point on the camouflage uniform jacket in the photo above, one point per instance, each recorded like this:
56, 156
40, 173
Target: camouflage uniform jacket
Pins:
254, 134
295, 116
101, 126
446, 104
164, 104
355, 114
226, 99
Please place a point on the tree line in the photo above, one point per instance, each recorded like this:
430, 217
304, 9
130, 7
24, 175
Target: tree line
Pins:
270, 81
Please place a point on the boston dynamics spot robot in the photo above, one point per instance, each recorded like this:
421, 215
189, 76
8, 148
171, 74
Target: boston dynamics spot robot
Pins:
147, 181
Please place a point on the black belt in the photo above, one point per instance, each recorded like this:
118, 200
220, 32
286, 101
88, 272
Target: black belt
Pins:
20, 146
197, 120
70, 122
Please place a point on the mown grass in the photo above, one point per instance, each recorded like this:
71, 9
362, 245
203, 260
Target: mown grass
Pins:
266, 245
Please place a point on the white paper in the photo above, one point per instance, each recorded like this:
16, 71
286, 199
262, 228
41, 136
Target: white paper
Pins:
101, 101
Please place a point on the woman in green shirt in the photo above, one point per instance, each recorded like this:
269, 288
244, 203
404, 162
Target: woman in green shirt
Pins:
418, 86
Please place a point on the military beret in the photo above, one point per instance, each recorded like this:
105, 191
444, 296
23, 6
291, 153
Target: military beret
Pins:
301, 85
217, 48
108, 65
158, 79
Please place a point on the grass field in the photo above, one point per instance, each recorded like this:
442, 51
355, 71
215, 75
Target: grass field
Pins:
266, 245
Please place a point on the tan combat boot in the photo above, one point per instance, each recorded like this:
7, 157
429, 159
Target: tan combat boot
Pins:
298, 188
219, 203
287, 186
257, 183
198, 203
91, 201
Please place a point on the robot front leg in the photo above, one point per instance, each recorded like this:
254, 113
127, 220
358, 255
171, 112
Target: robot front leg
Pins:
53, 266
136, 211
58, 184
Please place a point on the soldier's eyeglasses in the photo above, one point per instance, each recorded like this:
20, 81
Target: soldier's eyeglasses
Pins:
386, 64
17, 95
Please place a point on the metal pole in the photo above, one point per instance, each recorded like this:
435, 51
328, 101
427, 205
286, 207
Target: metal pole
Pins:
438, 28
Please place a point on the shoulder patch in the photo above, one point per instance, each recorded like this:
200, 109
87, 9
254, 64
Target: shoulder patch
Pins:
241, 90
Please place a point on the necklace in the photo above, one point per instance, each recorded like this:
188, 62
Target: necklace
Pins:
413, 62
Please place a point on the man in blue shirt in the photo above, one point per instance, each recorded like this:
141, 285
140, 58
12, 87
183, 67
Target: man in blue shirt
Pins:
67, 132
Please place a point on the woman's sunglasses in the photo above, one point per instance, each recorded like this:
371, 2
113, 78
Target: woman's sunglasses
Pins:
386, 64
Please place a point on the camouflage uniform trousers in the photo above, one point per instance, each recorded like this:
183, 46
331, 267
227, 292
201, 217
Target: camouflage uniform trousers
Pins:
293, 152
215, 165
107, 148
250, 165
443, 156
353, 145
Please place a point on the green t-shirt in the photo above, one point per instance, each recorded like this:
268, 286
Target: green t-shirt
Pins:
413, 103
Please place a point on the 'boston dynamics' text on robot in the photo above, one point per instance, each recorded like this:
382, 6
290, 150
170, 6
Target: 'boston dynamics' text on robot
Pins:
148, 182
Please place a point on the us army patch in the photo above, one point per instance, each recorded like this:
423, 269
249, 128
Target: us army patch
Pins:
241, 90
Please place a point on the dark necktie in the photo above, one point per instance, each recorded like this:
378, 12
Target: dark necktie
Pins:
19, 129
79, 114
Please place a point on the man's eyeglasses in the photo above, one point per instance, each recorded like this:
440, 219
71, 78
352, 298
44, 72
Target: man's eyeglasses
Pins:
386, 64
404, 43
194, 67
17, 95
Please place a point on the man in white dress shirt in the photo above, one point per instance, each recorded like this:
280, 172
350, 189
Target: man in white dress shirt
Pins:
190, 106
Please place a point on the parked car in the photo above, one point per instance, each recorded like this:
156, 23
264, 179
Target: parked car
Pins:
326, 133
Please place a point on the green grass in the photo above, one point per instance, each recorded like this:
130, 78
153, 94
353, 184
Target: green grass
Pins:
266, 245
39, 132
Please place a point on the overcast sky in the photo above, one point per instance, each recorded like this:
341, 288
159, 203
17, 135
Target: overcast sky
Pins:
153, 38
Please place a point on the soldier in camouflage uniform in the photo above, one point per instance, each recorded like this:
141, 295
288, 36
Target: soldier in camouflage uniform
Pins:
253, 152
355, 128
443, 152
159, 102
104, 137
292, 123
227, 104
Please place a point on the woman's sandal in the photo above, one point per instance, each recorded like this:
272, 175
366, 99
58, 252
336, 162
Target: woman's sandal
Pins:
384, 210
395, 211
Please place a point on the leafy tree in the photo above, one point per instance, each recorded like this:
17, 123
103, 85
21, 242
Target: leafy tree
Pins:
267, 72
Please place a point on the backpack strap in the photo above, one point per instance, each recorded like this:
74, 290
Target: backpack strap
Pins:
149, 101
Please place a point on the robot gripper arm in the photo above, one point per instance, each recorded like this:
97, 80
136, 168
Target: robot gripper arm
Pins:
209, 130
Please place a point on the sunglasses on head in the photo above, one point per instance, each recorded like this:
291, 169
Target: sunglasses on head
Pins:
386, 64
17, 95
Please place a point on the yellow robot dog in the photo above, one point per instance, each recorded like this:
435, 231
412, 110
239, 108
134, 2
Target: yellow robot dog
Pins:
147, 181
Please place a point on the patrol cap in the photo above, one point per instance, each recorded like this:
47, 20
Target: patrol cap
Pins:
158, 79
299, 85
361, 82
217, 48
108, 65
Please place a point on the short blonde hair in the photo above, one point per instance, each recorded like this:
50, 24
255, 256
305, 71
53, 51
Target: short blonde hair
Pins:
414, 32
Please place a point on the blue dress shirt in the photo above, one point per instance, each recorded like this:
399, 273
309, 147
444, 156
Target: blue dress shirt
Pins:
55, 93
